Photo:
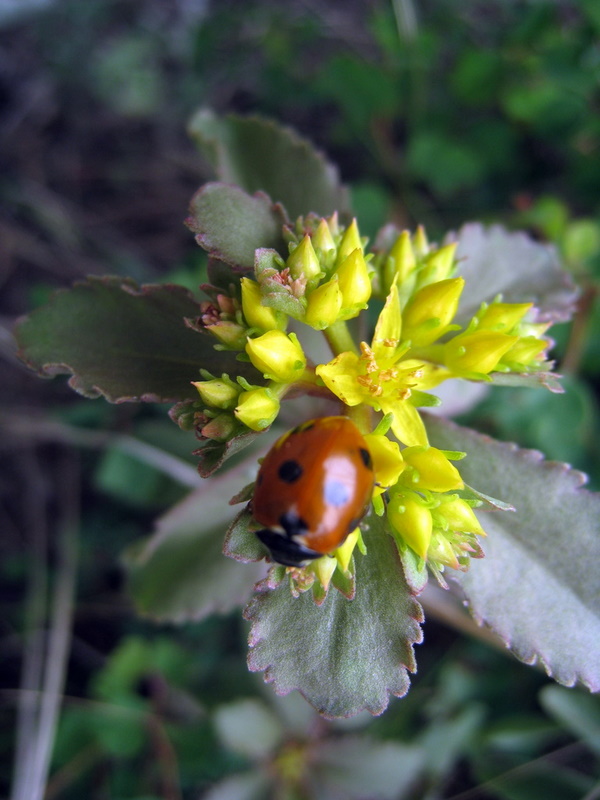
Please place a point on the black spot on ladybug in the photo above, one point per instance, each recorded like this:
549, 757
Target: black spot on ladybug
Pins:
293, 524
290, 471
366, 458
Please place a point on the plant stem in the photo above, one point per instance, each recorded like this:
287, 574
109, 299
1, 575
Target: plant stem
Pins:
340, 339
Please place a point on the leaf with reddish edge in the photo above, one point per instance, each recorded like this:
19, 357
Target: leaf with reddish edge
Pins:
537, 586
122, 341
343, 656
231, 224
261, 155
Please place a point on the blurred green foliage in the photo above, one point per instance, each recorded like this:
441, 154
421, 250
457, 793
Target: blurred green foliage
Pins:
481, 110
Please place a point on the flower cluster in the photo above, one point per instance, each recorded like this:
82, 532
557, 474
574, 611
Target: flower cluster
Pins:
326, 279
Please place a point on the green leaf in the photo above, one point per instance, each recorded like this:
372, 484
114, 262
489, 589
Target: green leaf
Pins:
124, 342
180, 573
231, 224
260, 155
537, 587
355, 767
495, 261
578, 713
343, 656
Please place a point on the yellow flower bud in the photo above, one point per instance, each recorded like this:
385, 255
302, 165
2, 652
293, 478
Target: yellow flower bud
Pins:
350, 242
324, 568
322, 240
257, 315
441, 552
431, 310
502, 317
525, 351
232, 335
403, 257
477, 352
420, 242
387, 460
257, 408
277, 355
324, 305
343, 554
412, 521
303, 261
438, 265
431, 470
355, 283
459, 516
218, 393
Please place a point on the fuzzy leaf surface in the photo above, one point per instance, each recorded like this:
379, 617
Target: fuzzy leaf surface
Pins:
180, 574
343, 656
538, 585
496, 261
260, 155
122, 341
230, 224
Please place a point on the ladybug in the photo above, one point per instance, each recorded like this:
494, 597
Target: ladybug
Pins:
312, 490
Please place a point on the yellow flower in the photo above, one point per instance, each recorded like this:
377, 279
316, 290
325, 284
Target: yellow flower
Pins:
502, 317
350, 242
277, 355
380, 378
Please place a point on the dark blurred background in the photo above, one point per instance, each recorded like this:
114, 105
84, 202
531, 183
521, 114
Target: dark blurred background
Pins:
436, 113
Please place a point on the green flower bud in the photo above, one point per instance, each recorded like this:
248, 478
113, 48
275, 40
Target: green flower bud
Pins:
502, 317
255, 313
277, 355
322, 240
438, 265
350, 242
303, 261
412, 521
218, 393
324, 305
230, 334
257, 408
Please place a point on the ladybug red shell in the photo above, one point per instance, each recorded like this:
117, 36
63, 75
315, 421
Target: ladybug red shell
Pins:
312, 489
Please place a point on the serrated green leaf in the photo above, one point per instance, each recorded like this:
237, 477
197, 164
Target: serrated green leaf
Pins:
343, 656
537, 587
231, 224
180, 573
260, 155
124, 342
496, 261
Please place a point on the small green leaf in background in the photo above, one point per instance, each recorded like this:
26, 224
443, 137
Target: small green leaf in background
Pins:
124, 342
259, 155
180, 574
